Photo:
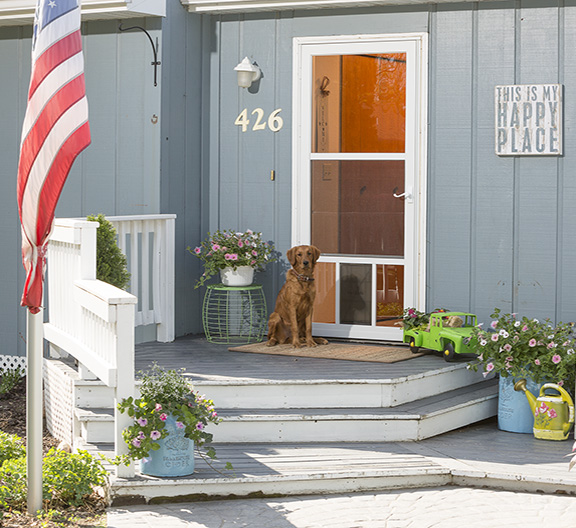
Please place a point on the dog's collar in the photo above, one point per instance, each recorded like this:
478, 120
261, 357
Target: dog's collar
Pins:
302, 278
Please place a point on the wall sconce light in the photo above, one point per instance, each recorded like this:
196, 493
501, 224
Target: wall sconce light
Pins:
248, 72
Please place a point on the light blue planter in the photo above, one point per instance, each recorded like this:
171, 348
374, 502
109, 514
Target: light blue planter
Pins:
514, 413
175, 458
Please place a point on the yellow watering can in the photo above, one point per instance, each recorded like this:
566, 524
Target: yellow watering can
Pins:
553, 414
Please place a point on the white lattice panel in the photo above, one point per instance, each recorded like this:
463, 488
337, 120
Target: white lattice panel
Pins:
58, 401
12, 362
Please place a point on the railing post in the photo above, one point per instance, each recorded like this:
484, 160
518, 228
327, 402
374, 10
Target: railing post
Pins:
125, 380
165, 331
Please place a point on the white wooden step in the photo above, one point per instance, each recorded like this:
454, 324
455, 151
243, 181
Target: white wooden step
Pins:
342, 393
412, 421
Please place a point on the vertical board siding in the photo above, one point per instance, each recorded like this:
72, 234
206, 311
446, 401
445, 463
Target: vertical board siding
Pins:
537, 178
566, 285
493, 177
14, 59
449, 178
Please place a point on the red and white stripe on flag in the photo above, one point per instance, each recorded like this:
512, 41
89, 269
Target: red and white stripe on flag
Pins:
55, 131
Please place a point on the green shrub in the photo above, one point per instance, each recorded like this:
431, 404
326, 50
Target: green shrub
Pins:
11, 446
68, 479
9, 379
111, 265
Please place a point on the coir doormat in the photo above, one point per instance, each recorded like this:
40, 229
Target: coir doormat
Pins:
349, 352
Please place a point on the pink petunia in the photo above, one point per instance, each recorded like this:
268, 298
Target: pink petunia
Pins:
537, 361
215, 247
494, 324
494, 337
240, 243
507, 347
158, 407
489, 367
524, 328
198, 250
180, 425
556, 359
551, 345
532, 342
163, 417
254, 253
155, 435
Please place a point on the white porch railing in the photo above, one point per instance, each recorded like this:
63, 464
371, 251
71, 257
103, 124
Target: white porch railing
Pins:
148, 243
89, 319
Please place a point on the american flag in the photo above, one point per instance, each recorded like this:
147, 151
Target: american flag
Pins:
55, 131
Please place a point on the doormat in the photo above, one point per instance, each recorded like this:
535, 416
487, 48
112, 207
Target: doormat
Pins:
348, 352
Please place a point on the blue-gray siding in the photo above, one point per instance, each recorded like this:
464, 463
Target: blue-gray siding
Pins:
500, 229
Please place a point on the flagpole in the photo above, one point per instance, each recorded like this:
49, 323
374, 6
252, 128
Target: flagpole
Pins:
34, 426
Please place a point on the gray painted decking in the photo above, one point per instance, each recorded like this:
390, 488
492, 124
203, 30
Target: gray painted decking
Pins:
207, 361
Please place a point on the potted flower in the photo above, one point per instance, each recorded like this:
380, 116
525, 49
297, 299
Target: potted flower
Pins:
234, 255
518, 348
170, 419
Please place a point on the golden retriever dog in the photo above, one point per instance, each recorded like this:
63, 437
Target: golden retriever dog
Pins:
291, 319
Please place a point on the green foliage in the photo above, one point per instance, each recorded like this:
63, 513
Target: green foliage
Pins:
163, 393
68, 479
11, 446
412, 318
9, 379
111, 265
523, 347
231, 249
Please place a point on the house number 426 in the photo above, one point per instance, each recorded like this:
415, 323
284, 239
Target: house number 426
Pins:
275, 122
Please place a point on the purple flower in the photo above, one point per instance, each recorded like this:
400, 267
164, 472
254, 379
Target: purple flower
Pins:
200, 426
142, 422
155, 435
136, 442
180, 425
532, 342
141, 435
163, 417
556, 359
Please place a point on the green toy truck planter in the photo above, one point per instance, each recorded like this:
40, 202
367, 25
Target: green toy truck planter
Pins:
447, 332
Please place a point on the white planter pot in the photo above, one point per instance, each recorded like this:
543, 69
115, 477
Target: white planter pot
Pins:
241, 276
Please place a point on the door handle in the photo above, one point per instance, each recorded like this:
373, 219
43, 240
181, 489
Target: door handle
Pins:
407, 194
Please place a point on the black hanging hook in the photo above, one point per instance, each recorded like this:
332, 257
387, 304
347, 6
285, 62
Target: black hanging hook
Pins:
156, 62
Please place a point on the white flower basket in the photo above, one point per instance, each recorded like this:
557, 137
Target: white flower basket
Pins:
241, 276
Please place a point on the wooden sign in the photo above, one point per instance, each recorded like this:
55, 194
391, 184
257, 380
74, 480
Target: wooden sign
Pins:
528, 119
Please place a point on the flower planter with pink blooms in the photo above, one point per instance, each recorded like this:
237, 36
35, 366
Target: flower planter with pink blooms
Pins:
169, 425
175, 455
516, 347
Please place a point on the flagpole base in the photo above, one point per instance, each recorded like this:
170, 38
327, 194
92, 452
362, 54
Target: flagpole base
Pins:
34, 425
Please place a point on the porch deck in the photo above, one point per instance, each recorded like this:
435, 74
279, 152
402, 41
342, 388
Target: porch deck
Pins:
476, 455
206, 361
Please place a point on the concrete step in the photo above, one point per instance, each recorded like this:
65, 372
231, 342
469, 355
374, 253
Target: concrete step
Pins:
411, 421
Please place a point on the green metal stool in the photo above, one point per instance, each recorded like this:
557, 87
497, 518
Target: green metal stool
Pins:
234, 314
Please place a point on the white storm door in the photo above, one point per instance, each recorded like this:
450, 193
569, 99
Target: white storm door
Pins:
359, 179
